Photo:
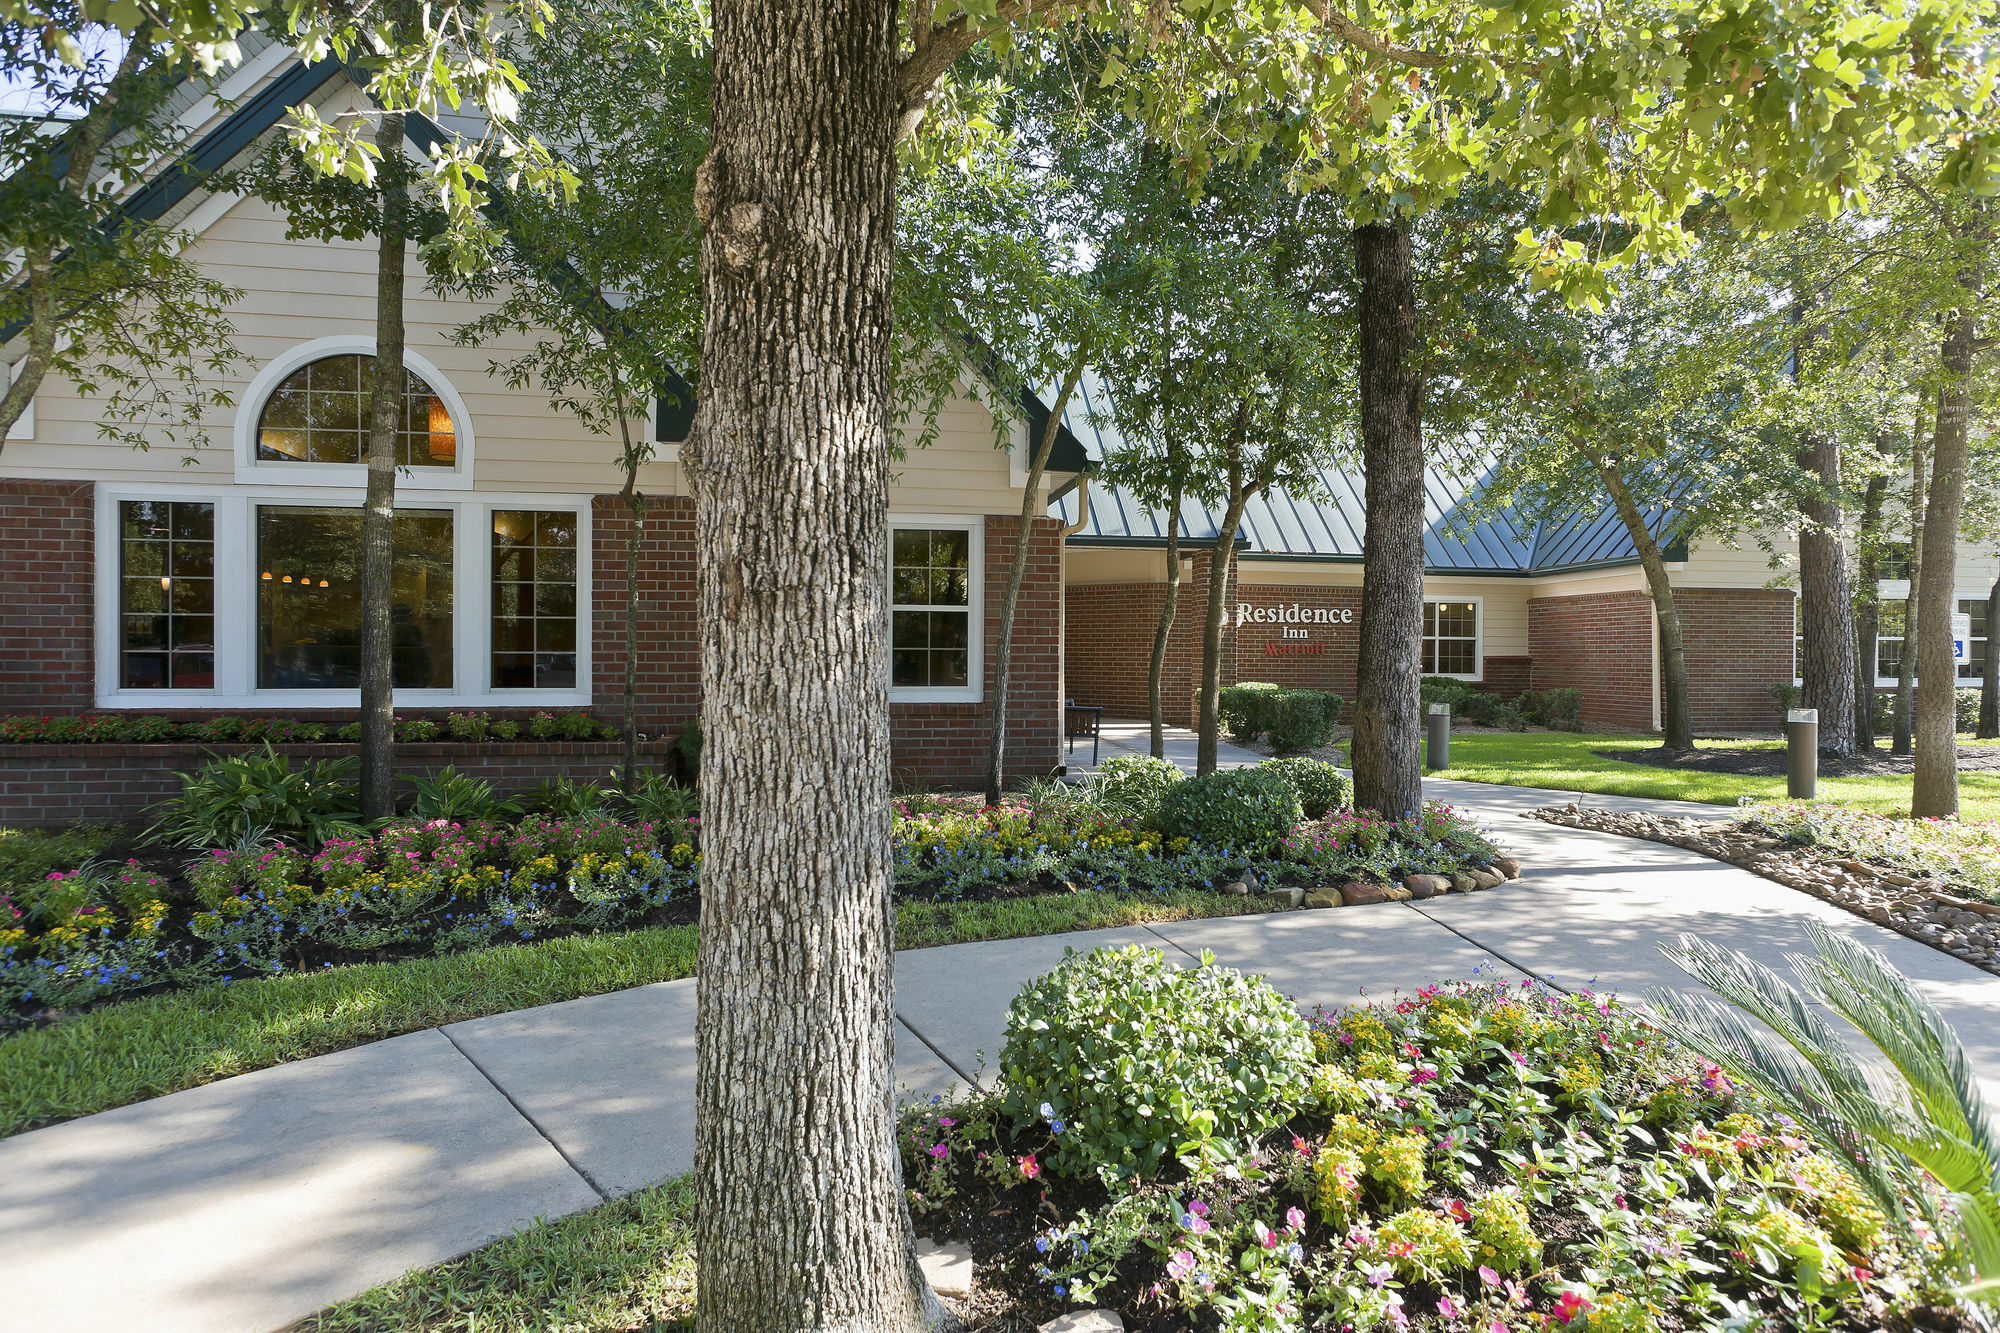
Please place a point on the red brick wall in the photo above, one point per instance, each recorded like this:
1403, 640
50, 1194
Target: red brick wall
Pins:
1108, 634
669, 686
62, 784
46, 639
1739, 644
1508, 676
944, 744
1599, 643
1313, 657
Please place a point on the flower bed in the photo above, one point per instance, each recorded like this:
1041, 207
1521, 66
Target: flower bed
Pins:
1473, 1157
1936, 881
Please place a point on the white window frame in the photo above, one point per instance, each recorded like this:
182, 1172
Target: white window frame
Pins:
1894, 590
974, 690
250, 410
1478, 635
236, 598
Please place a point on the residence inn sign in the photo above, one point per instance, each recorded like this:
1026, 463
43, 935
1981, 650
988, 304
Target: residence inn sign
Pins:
1297, 640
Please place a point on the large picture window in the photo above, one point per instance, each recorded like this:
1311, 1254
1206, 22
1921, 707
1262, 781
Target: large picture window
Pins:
931, 614
534, 599
1451, 639
309, 599
166, 600
320, 414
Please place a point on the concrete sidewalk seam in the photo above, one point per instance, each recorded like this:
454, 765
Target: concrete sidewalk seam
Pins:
1490, 951
1147, 926
522, 1111
948, 1062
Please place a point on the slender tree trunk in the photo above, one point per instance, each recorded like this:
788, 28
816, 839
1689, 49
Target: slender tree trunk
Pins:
1906, 661
1826, 606
1209, 723
1989, 673
1024, 532
1384, 749
1935, 791
378, 514
1867, 610
1677, 721
1163, 632
801, 1221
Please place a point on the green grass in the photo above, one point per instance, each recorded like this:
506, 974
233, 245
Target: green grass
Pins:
129, 1051
1568, 761
623, 1265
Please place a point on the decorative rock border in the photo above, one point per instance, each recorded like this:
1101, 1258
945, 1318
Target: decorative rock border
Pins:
1922, 909
1361, 892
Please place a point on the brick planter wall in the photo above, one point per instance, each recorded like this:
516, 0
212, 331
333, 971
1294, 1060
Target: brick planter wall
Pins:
1601, 644
1739, 644
46, 640
61, 784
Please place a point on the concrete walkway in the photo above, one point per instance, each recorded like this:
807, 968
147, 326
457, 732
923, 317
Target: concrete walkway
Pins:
1124, 736
248, 1203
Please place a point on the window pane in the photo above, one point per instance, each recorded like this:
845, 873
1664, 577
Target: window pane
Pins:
1455, 657
910, 667
534, 599
932, 568
160, 606
911, 629
948, 668
309, 599
948, 629
320, 413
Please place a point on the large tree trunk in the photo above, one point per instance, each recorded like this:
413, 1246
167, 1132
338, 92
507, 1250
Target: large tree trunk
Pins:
1386, 774
1676, 721
1989, 670
378, 514
1826, 608
1163, 632
801, 1222
1902, 716
1935, 792
1003, 658
1867, 610
1209, 723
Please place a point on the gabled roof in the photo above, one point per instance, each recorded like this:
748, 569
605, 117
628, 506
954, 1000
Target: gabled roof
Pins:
1280, 525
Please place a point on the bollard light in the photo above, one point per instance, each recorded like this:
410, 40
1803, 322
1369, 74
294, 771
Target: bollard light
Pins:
1438, 749
1802, 753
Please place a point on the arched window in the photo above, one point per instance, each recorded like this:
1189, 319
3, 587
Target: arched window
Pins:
319, 413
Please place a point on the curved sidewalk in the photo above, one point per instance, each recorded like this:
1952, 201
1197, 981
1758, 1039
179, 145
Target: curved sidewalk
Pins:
248, 1203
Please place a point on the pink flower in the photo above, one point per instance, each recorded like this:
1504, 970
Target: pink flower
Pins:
1265, 1236
1295, 1218
1457, 1211
1570, 1306
1029, 1166
1488, 1276
1198, 1208
1450, 1308
1180, 1265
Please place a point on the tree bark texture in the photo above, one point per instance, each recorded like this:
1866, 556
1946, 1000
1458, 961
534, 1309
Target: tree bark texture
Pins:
801, 1222
1163, 632
1867, 610
1901, 716
1208, 725
378, 513
1826, 606
1386, 776
1989, 671
1676, 721
1003, 656
1935, 791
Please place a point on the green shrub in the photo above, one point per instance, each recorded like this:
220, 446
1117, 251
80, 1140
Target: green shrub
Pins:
1303, 720
1320, 786
1968, 710
566, 797
28, 855
1442, 690
1133, 786
1248, 710
1558, 710
1481, 709
450, 794
1785, 695
468, 726
656, 798
1245, 808
688, 746
504, 729
251, 795
1133, 1063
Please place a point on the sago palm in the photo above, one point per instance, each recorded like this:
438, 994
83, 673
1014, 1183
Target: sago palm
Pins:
1920, 1115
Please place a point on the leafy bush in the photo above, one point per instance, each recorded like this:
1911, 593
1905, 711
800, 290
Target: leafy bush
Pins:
468, 726
1968, 710
452, 795
566, 797
225, 802
1133, 1063
1246, 710
1785, 696
1442, 690
688, 746
1320, 786
1481, 709
1243, 808
1558, 710
28, 855
656, 798
1134, 785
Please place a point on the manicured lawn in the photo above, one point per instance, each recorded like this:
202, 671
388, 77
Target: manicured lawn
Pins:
624, 1265
129, 1051
1568, 762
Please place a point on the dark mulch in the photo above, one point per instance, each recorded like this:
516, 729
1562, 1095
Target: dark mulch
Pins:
1771, 763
